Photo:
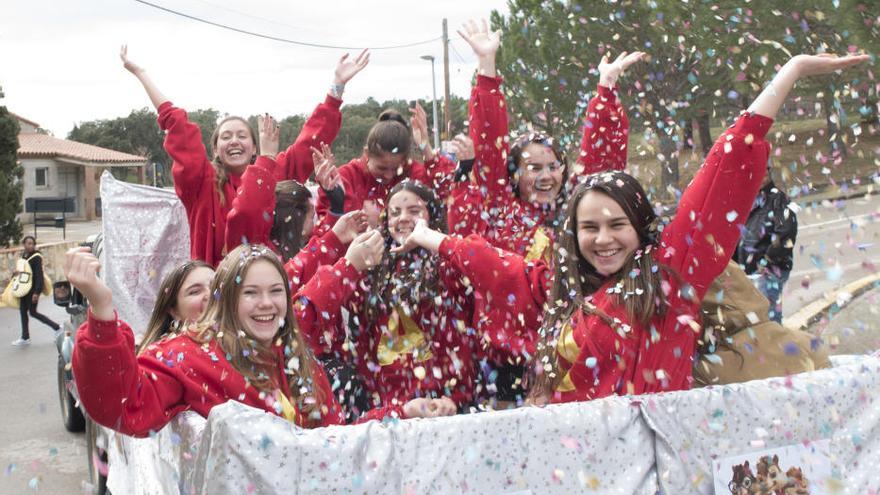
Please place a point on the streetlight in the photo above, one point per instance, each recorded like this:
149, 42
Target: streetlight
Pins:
434, 103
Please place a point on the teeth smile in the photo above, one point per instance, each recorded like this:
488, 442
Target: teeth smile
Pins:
264, 318
607, 253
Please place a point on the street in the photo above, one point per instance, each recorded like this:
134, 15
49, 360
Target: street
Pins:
835, 246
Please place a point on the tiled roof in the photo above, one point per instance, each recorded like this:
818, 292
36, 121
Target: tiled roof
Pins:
45, 146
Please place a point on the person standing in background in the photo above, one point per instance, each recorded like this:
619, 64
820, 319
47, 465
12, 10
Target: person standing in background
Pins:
27, 304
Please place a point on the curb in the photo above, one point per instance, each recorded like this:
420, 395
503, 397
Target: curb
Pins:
835, 300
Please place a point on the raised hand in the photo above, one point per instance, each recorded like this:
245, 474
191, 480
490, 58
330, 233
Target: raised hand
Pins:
419, 122
127, 63
366, 250
373, 212
326, 174
81, 268
610, 72
269, 135
483, 42
346, 69
429, 408
463, 147
348, 226
825, 63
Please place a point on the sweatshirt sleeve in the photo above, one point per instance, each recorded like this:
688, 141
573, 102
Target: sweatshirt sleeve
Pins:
487, 112
252, 214
183, 142
129, 394
317, 305
605, 136
702, 236
322, 126
320, 251
506, 278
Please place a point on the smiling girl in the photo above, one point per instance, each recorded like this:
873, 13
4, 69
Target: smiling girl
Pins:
207, 186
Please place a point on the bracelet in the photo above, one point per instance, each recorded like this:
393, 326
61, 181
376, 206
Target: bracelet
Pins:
336, 90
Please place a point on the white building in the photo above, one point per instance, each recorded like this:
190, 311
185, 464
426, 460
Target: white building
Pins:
57, 168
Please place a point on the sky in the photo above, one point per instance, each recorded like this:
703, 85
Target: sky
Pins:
59, 60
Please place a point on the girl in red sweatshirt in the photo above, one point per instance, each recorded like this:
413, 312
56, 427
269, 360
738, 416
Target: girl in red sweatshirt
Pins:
624, 306
207, 186
366, 181
517, 193
246, 347
409, 311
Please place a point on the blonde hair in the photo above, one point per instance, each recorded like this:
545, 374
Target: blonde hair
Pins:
256, 361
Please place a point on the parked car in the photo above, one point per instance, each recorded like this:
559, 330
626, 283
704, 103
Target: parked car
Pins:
73, 415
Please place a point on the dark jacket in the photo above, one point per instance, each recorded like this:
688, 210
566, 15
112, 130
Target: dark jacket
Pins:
769, 234
36, 262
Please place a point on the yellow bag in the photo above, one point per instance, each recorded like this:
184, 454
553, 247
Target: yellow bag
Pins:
23, 281
8, 300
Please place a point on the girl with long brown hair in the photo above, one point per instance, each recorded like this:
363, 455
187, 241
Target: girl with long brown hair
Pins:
622, 316
207, 186
246, 347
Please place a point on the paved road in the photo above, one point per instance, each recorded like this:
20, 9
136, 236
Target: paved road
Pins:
36, 449
837, 244
37, 454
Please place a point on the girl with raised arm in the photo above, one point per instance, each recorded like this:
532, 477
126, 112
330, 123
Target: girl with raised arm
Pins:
246, 347
623, 311
206, 186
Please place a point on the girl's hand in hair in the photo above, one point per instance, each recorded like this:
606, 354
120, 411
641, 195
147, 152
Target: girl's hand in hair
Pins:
418, 120
346, 69
366, 250
350, 225
326, 174
422, 236
429, 408
463, 147
81, 268
610, 72
269, 135
128, 64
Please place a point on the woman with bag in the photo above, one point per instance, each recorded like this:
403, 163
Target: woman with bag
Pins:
27, 304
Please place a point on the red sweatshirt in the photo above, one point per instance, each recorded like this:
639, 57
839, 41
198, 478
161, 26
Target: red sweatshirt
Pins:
360, 185
139, 394
601, 360
195, 179
427, 353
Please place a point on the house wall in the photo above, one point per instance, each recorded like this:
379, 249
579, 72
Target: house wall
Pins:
63, 180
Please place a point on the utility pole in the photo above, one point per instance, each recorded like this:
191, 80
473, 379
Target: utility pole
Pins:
447, 122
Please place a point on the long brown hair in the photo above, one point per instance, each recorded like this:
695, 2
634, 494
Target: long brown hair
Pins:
161, 321
639, 279
220, 175
291, 207
391, 134
257, 362
388, 284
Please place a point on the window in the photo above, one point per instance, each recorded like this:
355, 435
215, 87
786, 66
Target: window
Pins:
42, 177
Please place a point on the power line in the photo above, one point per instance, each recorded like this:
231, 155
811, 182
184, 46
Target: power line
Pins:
283, 40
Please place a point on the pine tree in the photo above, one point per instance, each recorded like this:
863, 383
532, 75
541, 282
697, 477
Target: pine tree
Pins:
11, 184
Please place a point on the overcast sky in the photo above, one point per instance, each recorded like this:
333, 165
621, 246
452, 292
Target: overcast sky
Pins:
59, 60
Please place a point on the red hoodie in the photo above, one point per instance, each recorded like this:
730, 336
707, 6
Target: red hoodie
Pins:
490, 208
360, 185
429, 352
599, 359
135, 395
195, 179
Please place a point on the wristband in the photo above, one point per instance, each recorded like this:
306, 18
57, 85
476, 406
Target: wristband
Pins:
336, 90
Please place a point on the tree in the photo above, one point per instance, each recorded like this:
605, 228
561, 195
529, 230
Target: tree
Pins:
11, 173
